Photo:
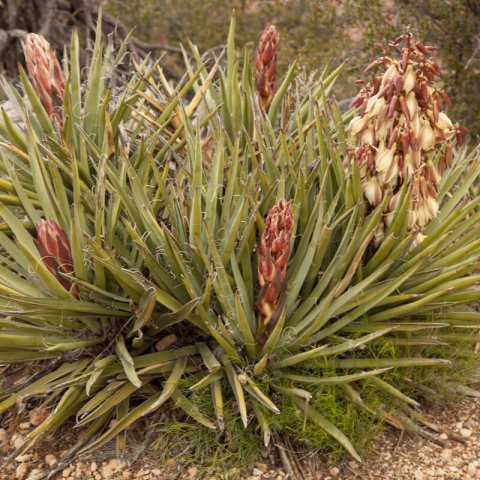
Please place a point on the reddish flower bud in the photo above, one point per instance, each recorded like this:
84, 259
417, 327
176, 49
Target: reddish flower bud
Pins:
265, 64
46, 74
54, 247
272, 264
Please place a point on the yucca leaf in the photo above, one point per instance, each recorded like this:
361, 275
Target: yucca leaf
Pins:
127, 362
148, 406
104, 401
237, 389
209, 359
326, 425
217, 400
253, 389
388, 362
207, 380
181, 401
264, 425
335, 380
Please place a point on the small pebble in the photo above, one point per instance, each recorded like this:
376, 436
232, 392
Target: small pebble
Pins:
17, 440
21, 471
36, 474
51, 460
26, 457
334, 471
192, 472
38, 415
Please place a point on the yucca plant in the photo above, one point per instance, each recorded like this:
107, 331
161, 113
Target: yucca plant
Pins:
191, 244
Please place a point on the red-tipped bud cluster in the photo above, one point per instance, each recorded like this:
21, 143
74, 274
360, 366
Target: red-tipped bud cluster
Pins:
399, 128
54, 247
266, 63
46, 75
273, 256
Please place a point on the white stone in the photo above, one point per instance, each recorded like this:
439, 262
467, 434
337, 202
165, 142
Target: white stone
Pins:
446, 454
262, 466
23, 458
17, 440
36, 474
192, 471
419, 475
51, 460
21, 471
38, 415
471, 469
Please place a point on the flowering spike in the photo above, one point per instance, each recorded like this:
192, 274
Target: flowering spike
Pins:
54, 247
265, 64
46, 74
273, 257
400, 130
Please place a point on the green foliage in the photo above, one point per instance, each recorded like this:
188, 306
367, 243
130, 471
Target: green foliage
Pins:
163, 191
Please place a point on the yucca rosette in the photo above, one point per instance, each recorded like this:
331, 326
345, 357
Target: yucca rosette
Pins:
46, 75
399, 128
266, 64
54, 247
273, 255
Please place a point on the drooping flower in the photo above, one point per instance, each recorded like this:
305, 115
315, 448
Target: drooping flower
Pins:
54, 247
273, 255
46, 75
266, 64
400, 127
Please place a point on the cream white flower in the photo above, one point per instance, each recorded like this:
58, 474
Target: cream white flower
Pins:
372, 191
368, 136
426, 140
384, 159
409, 80
358, 124
412, 105
444, 122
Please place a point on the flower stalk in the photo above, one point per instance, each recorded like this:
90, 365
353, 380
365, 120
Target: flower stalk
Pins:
273, 256
54, 247
46, 75
399, 129
266, 64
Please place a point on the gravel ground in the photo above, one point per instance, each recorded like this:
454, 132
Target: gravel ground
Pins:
452, 456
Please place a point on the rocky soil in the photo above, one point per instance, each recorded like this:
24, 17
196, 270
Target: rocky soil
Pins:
453, 455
